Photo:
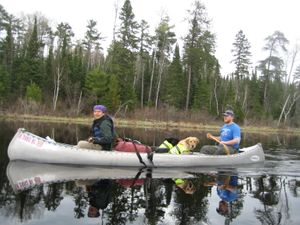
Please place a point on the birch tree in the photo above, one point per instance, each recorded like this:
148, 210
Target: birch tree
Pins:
166, 39
273, 63
64, 33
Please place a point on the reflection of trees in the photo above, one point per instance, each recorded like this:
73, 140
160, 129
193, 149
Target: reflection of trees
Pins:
155, 201
53, 196
294, 186
81, 202
29, 204
123, 205
190, 209
271, 191
24, 205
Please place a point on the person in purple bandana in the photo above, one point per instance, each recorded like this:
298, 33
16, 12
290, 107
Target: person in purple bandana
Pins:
102, 132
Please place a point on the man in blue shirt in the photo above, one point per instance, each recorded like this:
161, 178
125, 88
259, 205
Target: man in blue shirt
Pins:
230, 135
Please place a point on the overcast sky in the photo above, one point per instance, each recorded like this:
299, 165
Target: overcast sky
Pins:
257, 18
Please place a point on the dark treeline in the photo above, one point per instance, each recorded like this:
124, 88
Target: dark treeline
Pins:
43, 69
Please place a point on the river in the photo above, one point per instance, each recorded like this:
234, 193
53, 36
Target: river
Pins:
258, 194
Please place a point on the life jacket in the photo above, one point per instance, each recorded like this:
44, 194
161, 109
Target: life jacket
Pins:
166, 144
97, 132
178, 181
179, 149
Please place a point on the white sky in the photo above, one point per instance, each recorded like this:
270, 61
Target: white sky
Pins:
257, 18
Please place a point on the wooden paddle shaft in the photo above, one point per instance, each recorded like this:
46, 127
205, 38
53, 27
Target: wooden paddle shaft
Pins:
217, 140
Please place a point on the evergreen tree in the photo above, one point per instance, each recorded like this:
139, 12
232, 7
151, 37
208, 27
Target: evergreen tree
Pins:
32, 68
145, 42
91, 42
96, 85
242, 54
198, 52
4, 84
121, 63
112, 95
61, 78
175, 82
254, 104
128, 27
165, 39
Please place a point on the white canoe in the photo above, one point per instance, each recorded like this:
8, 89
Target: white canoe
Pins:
29, 147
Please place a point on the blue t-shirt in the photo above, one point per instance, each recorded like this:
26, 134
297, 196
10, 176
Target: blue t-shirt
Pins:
227, 195
229, 132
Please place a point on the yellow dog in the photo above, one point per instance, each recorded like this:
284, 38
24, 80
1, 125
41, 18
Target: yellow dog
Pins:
185, 146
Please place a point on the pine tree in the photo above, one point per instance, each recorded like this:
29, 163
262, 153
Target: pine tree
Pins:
145, 42
96, 83
91, 42
242, 54
128, 27
32, 69
112, 95
121, 63
198, 53
165, 39
174, 93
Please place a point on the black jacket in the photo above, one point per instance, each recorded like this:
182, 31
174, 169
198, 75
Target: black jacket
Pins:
103, 132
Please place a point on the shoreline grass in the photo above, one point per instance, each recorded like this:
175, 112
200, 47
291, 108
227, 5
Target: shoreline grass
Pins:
150, 124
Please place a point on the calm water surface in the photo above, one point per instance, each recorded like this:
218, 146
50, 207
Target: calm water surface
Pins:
33, 193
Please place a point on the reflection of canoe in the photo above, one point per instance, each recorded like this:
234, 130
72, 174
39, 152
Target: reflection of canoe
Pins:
29, 147
24, 175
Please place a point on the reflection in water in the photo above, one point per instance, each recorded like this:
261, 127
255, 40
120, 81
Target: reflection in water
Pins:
133, 195
230, 203
272, 193
130, 196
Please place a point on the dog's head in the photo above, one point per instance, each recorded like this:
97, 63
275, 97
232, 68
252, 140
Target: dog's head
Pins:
191, 142
188, 187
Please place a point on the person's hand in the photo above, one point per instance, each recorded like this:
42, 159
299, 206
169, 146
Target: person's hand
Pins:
96, 140
209, 136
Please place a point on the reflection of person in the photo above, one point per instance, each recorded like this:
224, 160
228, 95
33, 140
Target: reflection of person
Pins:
230, 135
102, 131
227, 191
99, 194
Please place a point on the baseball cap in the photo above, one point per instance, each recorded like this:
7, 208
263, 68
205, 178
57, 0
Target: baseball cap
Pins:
228, 113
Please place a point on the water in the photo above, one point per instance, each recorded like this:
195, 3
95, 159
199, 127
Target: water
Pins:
33, 193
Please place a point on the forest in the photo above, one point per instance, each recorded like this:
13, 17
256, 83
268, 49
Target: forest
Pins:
44, 70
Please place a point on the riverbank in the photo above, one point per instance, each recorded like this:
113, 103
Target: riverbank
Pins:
147, 124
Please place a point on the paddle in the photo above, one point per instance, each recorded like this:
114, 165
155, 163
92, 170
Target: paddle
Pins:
217, 140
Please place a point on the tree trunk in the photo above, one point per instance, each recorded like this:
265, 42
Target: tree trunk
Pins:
57, 80
142, 86
152, 75
79, 103
160, 72
295, 98
188, 88
244, 105
216, 96
283, 109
